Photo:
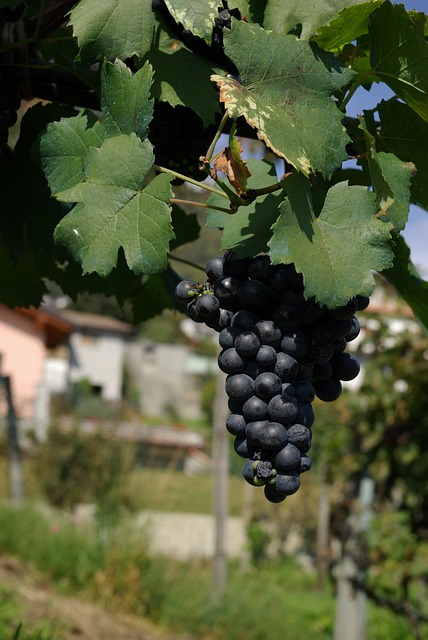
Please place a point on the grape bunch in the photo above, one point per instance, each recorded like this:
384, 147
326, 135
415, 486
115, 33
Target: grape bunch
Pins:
279, 351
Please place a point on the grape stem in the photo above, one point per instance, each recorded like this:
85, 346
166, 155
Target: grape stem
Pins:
200, 204
184, 261
180, 176
209, 154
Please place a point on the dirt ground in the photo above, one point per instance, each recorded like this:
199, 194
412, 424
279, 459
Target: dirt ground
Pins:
68, 617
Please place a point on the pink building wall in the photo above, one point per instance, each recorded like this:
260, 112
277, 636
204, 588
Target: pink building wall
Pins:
22, 352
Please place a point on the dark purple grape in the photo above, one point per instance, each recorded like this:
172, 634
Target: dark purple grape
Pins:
300, 436
328, 390
272, 494
287, 317
287, 459
243, 448
279, 279
240, 387
322, 371
185, 291
245, 320
255, 409
227, 337
305, 464
273, 437
254, 296
247, 344
206, 306
236, 267
214, 268
286, 367
260, 268
345, 366
287, 484
362, 302
266, 356
355, 331
230, 362
295, 343
347, 311
253, 431
305, 414
226, 290
304, 391
267, 385
269, 333
282, 408
236, 424
249, 473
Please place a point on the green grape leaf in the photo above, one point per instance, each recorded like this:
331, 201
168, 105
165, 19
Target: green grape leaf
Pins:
186, 227
248, 231
198, 16
113, 28
182, 77
114, 209
282, 17
336, 251
409, 284
349, 24
63, 149
404, 134
125, 99
391, 182
64, 49
285, 93
399, 54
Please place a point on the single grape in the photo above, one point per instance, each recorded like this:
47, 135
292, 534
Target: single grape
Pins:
247, 344
254, 430
345, 366
267, 385
269, 333
185, 291
273, 437
287, 459
286, 367
240, 387
214, 268
282, 408
230, 362
226, 290
300, 436
328, 390
207, 306
272, 494
236, 424
255, 409
287, 484
266, 356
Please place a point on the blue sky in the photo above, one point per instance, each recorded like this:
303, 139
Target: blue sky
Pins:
416, 231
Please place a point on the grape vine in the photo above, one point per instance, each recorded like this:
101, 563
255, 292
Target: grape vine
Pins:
121, 102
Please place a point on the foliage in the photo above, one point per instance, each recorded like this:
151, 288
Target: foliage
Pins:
75, 468
155, 84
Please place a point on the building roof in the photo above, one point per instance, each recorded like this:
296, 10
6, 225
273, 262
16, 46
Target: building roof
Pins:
53, 328
95, 322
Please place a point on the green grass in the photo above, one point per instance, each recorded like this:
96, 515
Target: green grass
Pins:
277, 599
11, 627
